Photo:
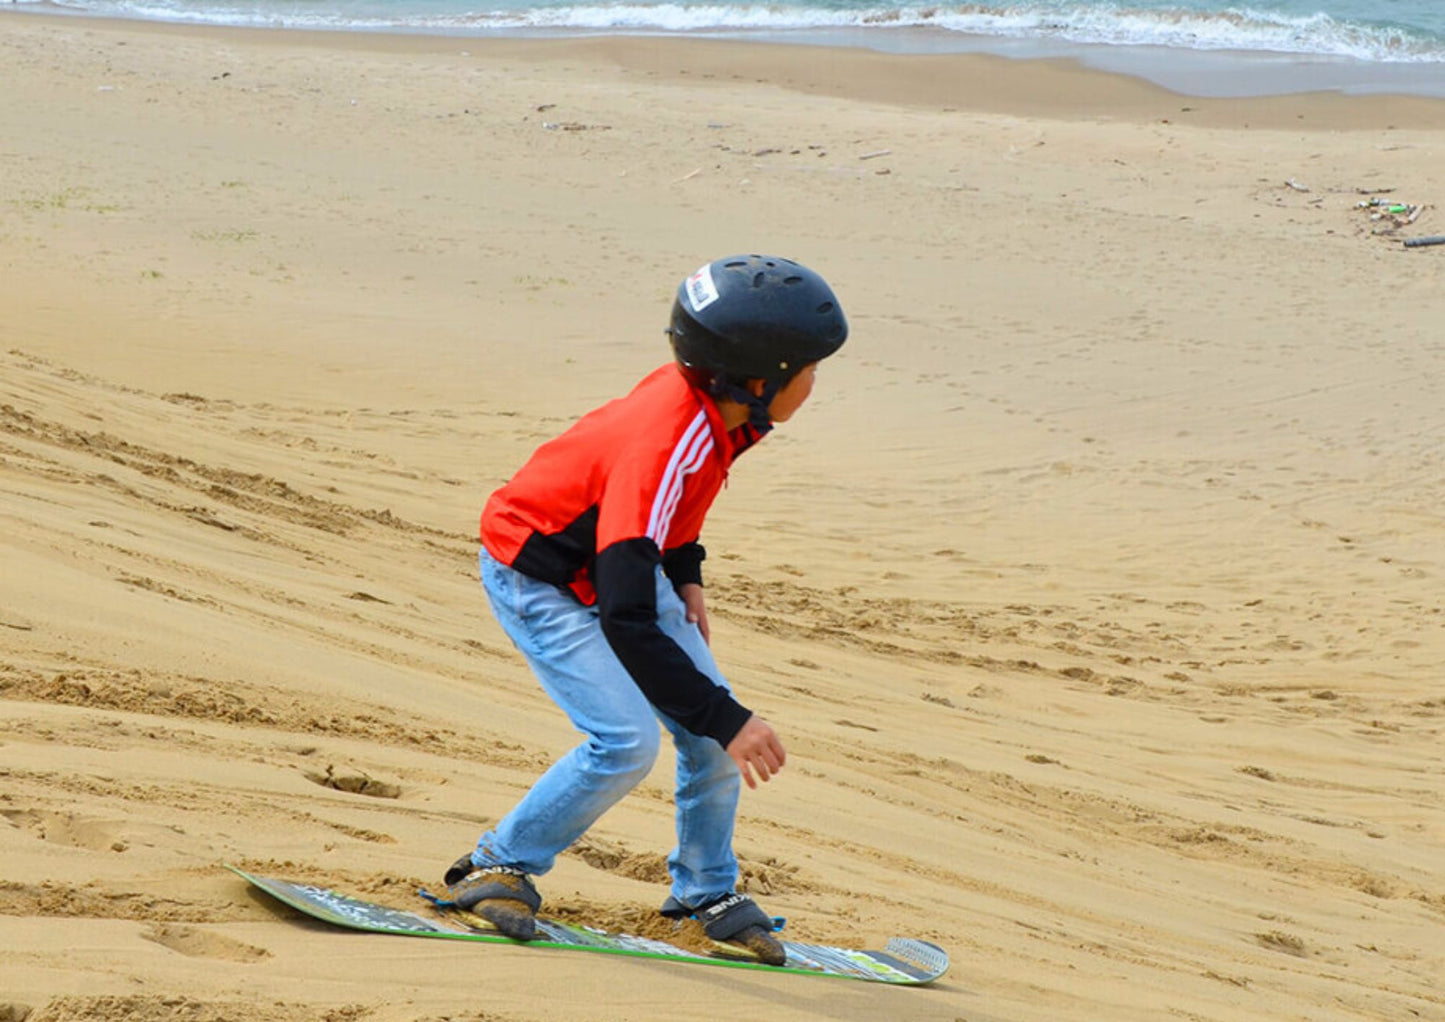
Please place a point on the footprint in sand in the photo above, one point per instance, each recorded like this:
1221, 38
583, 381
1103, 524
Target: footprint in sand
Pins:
69, 829
194, 942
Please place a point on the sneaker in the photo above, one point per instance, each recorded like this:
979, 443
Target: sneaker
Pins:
737, 921
502, 895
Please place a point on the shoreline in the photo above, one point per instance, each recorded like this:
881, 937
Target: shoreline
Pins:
1191, 73
1054, 87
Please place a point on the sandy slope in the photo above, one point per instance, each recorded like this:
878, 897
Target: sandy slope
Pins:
1097, 593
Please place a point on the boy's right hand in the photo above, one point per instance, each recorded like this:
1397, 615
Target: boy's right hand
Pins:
757, 747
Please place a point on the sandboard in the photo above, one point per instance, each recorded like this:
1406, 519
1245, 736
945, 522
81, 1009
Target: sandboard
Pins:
902, 961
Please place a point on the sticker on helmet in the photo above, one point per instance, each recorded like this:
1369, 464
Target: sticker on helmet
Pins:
701, 291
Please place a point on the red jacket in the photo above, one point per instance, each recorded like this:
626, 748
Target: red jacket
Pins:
599, 508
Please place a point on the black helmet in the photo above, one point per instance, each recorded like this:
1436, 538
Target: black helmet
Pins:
755, 317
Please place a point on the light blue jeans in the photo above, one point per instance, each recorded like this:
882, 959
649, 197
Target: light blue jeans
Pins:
564, 645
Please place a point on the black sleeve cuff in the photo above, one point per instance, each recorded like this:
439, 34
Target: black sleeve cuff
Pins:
728, 721
684, 564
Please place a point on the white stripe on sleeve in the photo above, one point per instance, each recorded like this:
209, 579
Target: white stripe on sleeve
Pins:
687, 457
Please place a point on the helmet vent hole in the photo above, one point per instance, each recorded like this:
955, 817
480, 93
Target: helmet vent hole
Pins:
794, 279
825, 308
735, 264
758, 279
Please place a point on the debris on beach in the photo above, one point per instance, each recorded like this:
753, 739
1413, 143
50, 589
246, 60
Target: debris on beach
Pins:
1389, 216
764, 151
1383, 214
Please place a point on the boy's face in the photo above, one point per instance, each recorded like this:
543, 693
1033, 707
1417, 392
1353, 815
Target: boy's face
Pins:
791, 397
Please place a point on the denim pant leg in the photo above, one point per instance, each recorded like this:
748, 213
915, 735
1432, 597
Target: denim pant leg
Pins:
708, 783
564, 645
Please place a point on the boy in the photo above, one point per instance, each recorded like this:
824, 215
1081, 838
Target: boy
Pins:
591, 561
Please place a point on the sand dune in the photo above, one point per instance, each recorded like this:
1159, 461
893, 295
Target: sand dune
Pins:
1097, 594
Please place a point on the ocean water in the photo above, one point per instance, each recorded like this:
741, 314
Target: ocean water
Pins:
1352, 45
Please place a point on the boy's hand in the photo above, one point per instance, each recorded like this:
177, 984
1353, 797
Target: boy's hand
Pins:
757, 747
691, 594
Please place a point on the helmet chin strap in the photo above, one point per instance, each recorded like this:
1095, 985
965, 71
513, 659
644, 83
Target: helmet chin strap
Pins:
756, 404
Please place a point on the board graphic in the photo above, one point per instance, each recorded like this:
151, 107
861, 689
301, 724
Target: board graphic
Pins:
902, 961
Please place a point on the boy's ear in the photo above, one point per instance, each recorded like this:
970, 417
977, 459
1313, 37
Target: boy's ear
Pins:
756, 387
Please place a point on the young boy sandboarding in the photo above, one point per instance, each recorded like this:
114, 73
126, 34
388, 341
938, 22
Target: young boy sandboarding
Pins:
591, 561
